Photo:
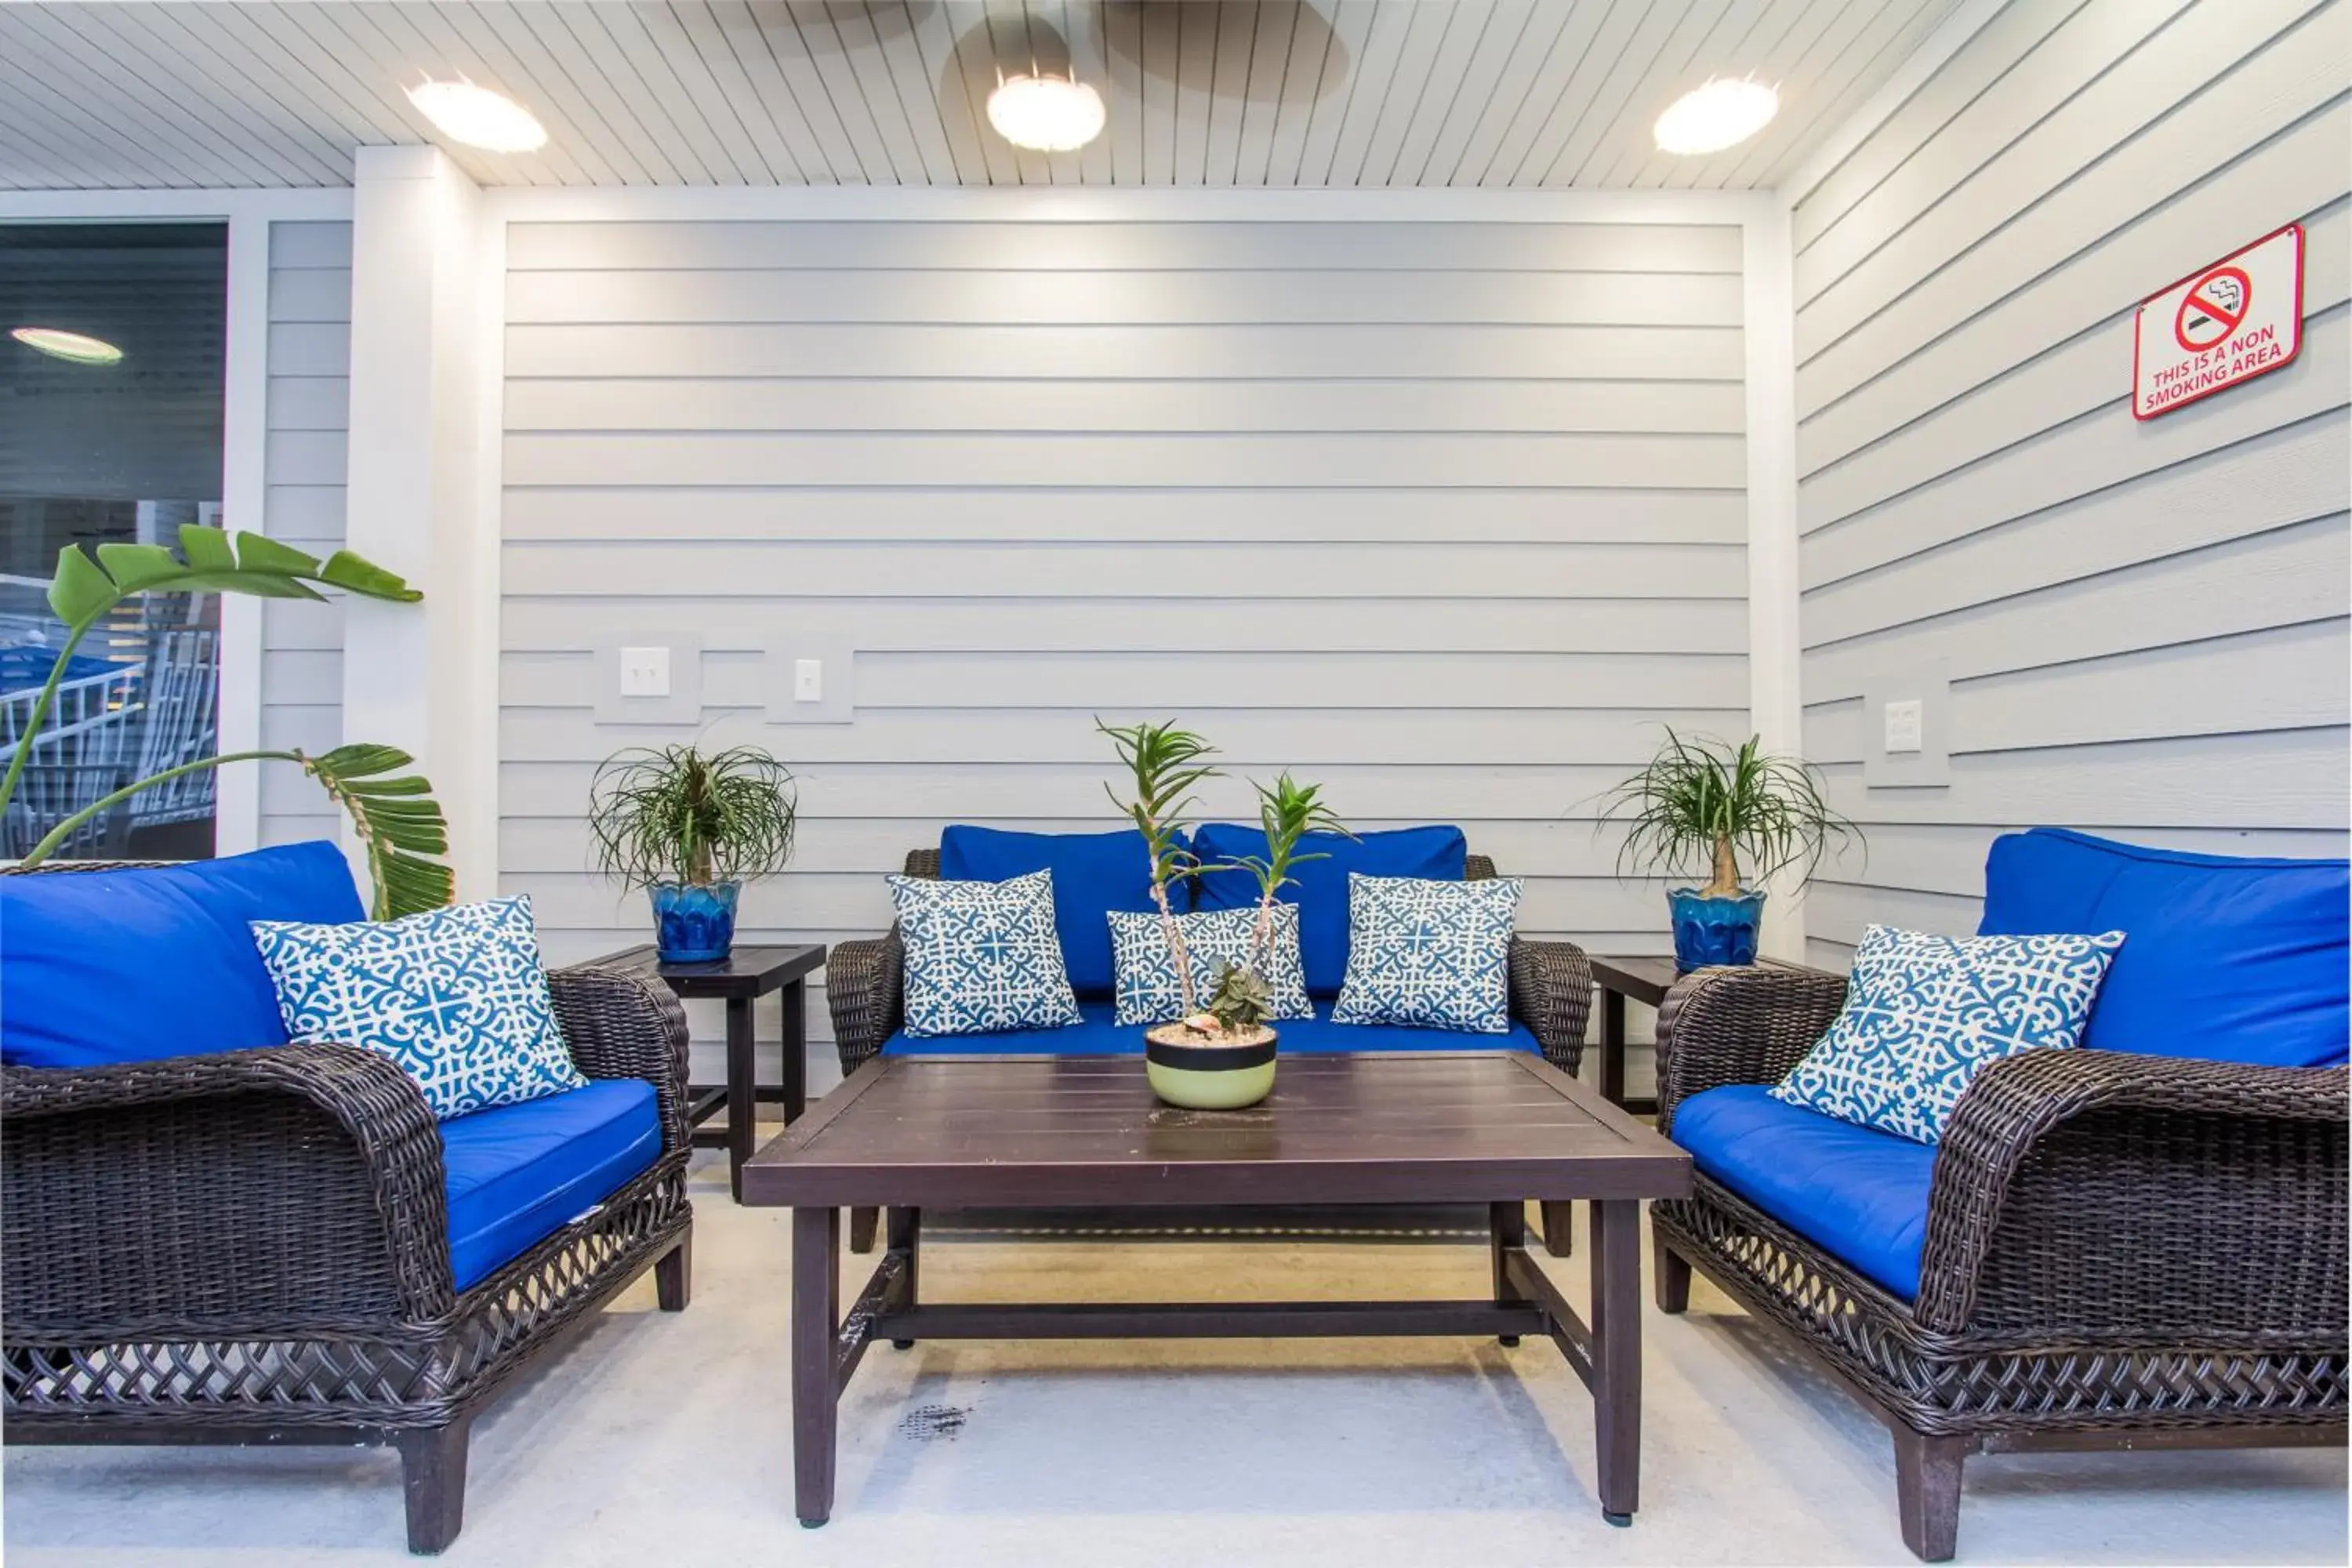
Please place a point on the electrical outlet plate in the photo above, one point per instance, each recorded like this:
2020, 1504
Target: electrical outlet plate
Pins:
1906, 725
682, 704
788, 677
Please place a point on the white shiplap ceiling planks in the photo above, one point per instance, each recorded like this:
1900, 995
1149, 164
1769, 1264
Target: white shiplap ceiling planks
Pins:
1550, 93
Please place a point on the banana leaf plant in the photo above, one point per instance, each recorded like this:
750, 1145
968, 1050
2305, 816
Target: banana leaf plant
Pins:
398, 823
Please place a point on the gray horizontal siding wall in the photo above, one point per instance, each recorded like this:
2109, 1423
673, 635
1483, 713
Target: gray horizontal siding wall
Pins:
309, 409
1448, 516
2144, 624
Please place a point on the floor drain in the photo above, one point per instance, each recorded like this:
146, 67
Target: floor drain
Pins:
929, 1422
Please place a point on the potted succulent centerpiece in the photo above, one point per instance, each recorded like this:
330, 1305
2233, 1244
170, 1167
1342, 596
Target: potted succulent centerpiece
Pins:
1706, 803
1220, 1054
690, 829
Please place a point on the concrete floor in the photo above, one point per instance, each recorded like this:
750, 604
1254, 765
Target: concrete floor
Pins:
661, 1439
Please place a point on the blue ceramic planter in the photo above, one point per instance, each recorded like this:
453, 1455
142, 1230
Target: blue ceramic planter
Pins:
694, 925
1709, 932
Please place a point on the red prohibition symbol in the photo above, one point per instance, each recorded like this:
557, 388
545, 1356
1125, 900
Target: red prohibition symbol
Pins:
2212, 309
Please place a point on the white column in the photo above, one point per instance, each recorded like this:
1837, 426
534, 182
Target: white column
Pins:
1774, 707
415, 675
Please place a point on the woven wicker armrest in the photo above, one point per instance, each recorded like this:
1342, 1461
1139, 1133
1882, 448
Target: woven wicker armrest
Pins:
2102, 1194
624, 1023
249, 1192
864, 986
1739, 1026
1551, 993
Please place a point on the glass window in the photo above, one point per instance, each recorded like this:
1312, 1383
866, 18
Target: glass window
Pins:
111, 378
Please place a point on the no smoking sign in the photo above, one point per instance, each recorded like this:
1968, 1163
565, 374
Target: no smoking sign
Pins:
2238, 319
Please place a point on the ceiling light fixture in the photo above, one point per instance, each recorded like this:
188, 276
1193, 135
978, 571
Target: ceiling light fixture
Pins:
478, 117
1723, 113
58, 343
1045, 113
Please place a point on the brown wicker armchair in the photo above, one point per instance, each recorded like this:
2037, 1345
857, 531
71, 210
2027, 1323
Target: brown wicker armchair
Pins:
2122, 1251
1551, 993
252, 1248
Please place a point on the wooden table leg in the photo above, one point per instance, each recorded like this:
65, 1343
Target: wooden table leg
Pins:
1560, 1240
1612, 1047
907, 1237
795, 1000
742, 1113
1506, 1226
816, 1319
1617, 1354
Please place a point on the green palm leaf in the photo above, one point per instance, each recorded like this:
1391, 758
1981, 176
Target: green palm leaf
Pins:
398, 822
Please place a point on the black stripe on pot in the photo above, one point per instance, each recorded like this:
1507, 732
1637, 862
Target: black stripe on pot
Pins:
1209, 1059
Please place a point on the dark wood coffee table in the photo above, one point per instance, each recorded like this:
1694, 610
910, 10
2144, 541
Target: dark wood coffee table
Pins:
1494, 1127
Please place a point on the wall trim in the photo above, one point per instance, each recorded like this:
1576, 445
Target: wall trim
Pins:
1104, 203
167, 205
1774, 649
245, 492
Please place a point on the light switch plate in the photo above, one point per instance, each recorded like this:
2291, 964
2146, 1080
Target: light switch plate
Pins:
644, 671
1907, 729
811, 679
1904, 723
625, 665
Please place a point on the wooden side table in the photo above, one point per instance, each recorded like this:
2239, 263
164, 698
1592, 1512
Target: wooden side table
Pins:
741, 978
1642, 979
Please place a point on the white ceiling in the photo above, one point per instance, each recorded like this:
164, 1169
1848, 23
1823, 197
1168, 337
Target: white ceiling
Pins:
1553, 93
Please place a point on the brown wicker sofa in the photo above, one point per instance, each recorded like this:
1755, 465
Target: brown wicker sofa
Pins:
1550, 993
252, 1248
2122, 1251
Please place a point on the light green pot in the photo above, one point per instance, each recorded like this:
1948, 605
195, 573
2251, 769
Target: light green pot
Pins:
1185, 1071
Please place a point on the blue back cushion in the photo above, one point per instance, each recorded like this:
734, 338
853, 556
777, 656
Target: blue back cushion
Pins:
125, 966
2227, 958
1094, 873
1320, 888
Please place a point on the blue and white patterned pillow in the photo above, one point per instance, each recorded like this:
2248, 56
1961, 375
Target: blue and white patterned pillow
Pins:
1145, 970
1924, 1013
455, 996
982, 957
1428, 954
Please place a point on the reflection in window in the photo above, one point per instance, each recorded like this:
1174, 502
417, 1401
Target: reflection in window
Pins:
95, 448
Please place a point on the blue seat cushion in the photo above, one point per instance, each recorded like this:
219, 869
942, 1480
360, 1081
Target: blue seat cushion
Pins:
1860, 1194
1320, 888
1096, 1035
100, 967
2225, 957
1094, 873
516, 1175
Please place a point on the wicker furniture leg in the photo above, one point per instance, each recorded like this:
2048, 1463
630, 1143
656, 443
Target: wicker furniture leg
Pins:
1617, 1355
1558, 1239
863, 1223
674, 1275
816, 1319
1928, 1491
907, 1237
433, 1475
1671, 1274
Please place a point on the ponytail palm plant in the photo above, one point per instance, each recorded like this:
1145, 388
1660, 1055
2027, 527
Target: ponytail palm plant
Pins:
398, 823
1704, 802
